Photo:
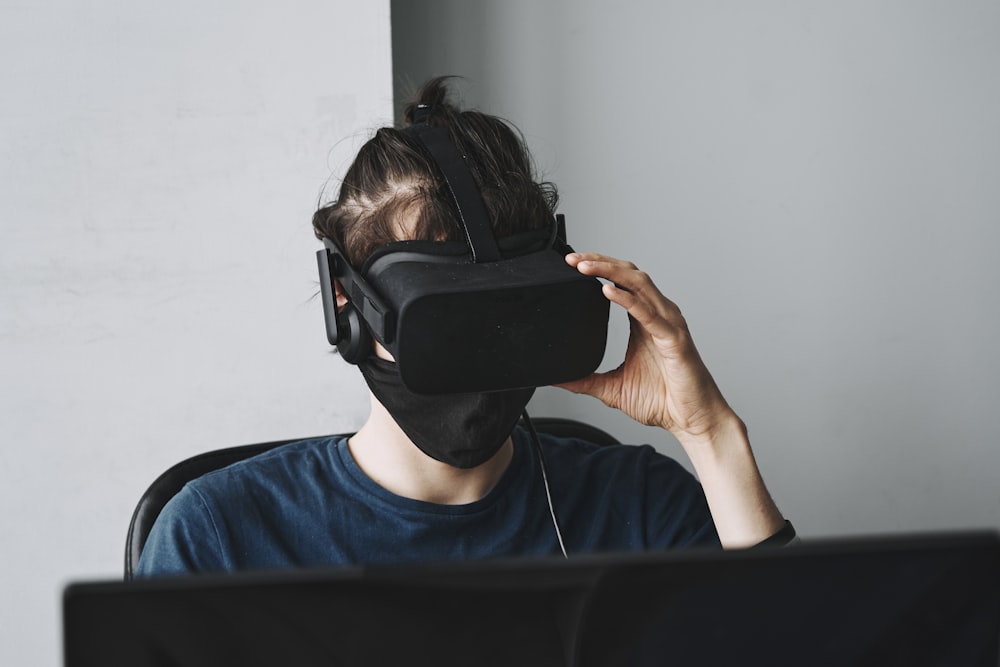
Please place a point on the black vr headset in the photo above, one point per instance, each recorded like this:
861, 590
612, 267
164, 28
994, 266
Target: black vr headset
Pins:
484, 315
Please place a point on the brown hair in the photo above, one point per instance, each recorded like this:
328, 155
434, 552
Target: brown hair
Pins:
393, 190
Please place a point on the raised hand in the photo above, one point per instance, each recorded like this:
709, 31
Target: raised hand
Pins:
662, 381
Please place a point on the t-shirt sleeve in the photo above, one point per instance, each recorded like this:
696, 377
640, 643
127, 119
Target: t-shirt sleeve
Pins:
184, 539
676, 508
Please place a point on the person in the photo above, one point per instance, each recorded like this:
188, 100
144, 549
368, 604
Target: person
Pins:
436, 478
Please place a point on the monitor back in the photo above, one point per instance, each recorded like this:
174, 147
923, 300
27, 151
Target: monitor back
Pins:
924, 600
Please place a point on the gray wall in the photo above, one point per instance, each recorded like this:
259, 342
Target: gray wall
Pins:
817, 184
159, 166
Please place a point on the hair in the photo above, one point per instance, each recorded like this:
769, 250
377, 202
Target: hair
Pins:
394, 191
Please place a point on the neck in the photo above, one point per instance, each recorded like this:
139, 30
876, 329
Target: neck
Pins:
391, 460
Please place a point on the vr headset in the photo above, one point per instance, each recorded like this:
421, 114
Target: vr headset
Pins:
484, 315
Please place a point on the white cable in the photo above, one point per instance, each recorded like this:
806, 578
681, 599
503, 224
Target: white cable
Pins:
545, 483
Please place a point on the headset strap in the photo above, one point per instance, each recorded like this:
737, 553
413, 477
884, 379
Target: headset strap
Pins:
373, 309
464, 191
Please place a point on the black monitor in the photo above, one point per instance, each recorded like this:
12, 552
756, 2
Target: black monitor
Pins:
908, 600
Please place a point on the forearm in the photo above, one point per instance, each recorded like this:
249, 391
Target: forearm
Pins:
741, 506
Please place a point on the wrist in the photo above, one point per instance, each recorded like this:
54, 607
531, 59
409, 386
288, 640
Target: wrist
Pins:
741, 507
727, 432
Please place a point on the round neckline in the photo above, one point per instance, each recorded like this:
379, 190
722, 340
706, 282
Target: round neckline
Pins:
373, 488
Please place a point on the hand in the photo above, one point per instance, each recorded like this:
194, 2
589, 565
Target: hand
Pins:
662, 381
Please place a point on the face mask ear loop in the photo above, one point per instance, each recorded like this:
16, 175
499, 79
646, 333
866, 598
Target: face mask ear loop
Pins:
545, 480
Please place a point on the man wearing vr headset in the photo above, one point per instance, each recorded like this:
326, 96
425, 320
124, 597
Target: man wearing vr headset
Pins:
437, 476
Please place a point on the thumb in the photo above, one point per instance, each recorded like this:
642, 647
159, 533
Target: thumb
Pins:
599, 385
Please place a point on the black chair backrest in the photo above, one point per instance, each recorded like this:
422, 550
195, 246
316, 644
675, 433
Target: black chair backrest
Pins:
173, 480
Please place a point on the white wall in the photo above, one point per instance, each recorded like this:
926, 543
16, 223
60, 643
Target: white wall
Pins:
159, 166
817, 184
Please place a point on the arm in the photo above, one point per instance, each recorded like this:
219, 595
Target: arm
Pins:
663, 382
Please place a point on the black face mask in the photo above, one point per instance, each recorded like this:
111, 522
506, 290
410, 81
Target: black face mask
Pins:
462, 430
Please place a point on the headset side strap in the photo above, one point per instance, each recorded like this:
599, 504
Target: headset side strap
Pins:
328, 295
373, 310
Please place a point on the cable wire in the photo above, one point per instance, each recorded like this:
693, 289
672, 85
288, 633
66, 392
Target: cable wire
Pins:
545, 480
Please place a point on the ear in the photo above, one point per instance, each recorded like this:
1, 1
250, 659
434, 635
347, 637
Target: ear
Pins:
341, 297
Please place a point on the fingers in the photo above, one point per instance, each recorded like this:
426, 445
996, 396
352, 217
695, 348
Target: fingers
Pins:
642, 311
625, 275
632, 289
592, 263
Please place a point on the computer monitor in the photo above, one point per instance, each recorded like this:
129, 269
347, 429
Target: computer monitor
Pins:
908, 600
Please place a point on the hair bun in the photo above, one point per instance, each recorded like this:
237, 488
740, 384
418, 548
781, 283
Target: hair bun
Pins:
429, 100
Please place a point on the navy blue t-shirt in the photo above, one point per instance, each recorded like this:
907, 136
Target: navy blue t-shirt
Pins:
308, 504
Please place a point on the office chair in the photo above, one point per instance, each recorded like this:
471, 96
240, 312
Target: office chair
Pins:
173, 480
